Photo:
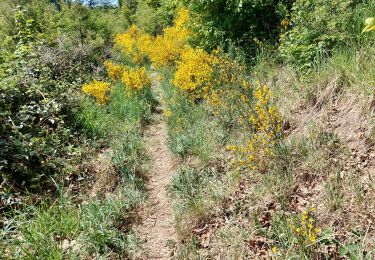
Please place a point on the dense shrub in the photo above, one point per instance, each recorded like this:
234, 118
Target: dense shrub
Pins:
317, 27
36, 110
222, 22
48, 50
163, 50
154, 15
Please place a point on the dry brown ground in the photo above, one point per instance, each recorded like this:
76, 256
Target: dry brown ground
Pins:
335, 109
156, 229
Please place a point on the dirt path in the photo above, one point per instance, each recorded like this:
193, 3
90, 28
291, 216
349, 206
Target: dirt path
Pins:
156, 229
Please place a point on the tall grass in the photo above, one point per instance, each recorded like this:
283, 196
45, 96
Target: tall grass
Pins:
76, 226
65, 230
192, 129
198, 194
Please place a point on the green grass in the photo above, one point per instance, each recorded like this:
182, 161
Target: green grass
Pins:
233, 237
197, 195
65, 230
74, 226
198, 187
192, 130
352, 69
189, 250
121, 113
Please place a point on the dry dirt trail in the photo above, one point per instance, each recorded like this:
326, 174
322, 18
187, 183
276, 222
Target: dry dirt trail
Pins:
156, 229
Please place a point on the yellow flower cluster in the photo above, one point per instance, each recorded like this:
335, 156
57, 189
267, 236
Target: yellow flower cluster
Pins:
285, 23
266, 122
194, 72
182, 18
215, 101
114, 71
205, 75
163, 50
98, 89
305, 229
133, 44
167, 112
168, 47
228, 70
267, 118
136, 79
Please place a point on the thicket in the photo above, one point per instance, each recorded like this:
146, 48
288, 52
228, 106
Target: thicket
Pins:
50, 52
313, 30
46, 53
37, 122
227, 23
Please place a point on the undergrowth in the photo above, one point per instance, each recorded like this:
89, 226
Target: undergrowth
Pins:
298, 201
74, 225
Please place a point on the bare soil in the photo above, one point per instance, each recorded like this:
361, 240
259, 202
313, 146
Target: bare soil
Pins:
156, 229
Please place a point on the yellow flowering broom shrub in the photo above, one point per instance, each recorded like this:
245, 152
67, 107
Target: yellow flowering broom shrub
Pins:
114, 71
267, 117
163, 50
265, 121
194, 73
229, 104
304, 229
133, 44
227, 70
231, 94
205, 75
136, 79
166, 49
98, 89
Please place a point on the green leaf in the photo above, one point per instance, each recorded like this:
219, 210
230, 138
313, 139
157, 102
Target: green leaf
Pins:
350, 250
327, 236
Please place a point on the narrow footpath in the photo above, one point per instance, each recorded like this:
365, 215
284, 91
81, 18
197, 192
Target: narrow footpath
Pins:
156, 229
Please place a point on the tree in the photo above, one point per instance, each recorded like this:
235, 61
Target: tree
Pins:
238, 21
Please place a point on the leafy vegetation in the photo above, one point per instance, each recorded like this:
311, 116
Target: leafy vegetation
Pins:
269, 107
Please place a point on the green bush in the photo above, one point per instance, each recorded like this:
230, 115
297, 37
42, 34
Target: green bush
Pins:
223, 22
45, 58
36, 138
154, 15
317, 27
